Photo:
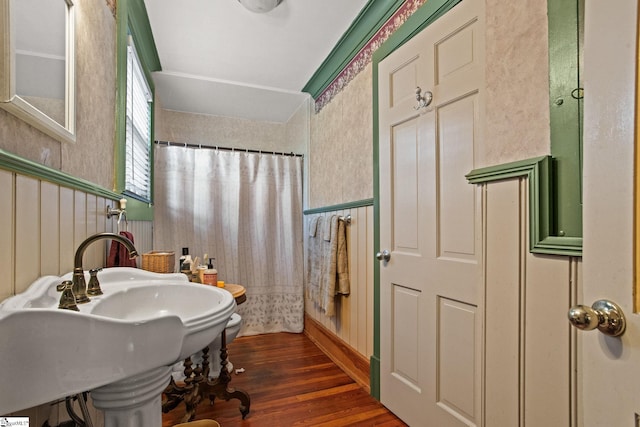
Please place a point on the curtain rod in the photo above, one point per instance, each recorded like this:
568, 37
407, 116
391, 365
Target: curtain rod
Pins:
240, 150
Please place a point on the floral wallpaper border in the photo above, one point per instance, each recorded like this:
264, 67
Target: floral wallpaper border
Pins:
112, 6
362, 58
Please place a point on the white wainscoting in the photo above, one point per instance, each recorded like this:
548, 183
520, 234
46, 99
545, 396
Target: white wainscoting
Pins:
353, 322
41, 225
528, 343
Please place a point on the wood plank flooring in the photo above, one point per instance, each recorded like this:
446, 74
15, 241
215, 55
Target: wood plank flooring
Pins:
291, 383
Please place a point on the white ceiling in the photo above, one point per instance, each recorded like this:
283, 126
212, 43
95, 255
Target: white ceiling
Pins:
221, 59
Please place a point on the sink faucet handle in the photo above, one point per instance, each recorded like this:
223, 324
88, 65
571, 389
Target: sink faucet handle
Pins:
67, 299
94, 285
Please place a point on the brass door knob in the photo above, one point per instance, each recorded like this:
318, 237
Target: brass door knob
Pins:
604, 315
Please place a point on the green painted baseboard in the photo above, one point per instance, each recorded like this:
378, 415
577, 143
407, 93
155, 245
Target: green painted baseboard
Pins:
374, 363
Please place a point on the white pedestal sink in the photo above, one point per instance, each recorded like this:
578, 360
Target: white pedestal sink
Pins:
120, 345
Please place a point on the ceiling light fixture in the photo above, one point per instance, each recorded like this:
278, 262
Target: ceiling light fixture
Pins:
260, 6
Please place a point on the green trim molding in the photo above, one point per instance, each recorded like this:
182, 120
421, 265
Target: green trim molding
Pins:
370, 19
421, 19
138, 210
340, 207
565, 111
141, 30
539, 173
132, 18
13, 163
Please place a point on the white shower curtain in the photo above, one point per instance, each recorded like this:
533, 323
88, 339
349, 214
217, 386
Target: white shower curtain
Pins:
245, 210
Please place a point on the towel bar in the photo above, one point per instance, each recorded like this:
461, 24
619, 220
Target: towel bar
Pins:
345, 219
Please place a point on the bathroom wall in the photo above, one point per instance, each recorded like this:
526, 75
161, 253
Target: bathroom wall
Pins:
340, 170
180, 127
353, 322
341, 147
517, 81
46, 225
354, 313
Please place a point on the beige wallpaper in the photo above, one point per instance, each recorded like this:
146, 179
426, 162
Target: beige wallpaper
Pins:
180, 127
92, 156
517, 79
297, 129
341, 146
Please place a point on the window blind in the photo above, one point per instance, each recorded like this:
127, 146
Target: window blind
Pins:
138, 128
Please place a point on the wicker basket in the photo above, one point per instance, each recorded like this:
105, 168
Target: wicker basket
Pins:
159, 261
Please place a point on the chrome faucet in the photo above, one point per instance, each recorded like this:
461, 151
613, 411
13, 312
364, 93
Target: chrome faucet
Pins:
79, 284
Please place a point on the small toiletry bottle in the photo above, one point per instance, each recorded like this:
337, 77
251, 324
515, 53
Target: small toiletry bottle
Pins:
200, 273
202, 268
210, 276
185, 252
185, 268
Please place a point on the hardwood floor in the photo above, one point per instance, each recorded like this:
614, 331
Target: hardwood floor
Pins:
291, 383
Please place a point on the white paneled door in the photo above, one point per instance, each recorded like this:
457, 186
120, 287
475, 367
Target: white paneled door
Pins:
610, 366
430, 278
